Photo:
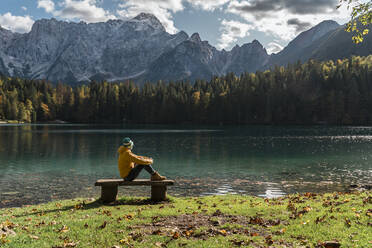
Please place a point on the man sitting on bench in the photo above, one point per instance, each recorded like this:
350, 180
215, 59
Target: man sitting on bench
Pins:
130, 165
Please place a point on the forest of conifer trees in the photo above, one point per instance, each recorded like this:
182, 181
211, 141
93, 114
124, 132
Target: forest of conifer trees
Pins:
329, 92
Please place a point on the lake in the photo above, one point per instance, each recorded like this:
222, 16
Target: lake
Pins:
40, 163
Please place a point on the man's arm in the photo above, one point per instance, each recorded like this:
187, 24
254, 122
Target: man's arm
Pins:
140, 159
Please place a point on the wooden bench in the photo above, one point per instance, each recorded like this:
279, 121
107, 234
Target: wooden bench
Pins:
109, 189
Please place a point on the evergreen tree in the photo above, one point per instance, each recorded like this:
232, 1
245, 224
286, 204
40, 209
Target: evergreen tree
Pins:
334, 92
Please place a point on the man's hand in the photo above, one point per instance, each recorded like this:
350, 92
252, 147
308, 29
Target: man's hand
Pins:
147, 158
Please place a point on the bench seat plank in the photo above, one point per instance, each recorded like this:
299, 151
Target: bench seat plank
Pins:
121, 182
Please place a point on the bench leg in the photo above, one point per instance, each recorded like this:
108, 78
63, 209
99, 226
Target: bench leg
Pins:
158, 193
108, 193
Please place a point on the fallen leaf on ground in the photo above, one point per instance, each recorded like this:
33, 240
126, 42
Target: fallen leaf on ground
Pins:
8, 224
124, 241
187, 233
238, 242
369, 212
156, 232
63, 229
256, 220
347, 222
70, 244
268, 240
320, 219
329, 244
129, 217
176, 235
222, 232
159, 244
103, 225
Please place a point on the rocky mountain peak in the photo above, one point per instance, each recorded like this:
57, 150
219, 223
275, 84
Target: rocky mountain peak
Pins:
182, 34
323, 28
149, 19
327, 23
307, 37
256, 42
255, 45
45, 25
143, 16
195, 37
45, 21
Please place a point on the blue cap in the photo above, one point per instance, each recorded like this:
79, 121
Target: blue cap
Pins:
127, 142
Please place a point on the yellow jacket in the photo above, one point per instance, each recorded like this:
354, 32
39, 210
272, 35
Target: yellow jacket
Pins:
127, 160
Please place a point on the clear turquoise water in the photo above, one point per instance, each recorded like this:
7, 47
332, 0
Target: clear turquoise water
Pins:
40, 163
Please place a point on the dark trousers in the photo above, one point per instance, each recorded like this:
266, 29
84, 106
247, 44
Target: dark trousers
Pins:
133, 174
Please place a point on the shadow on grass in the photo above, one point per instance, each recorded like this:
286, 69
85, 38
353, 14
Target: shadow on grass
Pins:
81, 205
138, 201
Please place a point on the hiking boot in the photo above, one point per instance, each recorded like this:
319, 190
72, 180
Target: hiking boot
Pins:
156, 177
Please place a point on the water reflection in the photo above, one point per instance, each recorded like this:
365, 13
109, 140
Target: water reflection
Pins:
222, 190
38, 161
272, 191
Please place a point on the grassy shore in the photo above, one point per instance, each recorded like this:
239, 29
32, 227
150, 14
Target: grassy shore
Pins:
306, 220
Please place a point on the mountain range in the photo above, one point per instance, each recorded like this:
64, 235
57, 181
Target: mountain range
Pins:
140, 49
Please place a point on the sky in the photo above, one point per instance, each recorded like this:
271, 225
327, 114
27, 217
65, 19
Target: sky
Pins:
224, 23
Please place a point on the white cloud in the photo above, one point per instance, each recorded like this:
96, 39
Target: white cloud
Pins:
21, 24
24, 8
47, 5
272, 17
274, 47
84, 10
208, 5
231, 31
162, 9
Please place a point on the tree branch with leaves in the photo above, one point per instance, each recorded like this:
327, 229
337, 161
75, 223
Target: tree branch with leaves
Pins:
361, 16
